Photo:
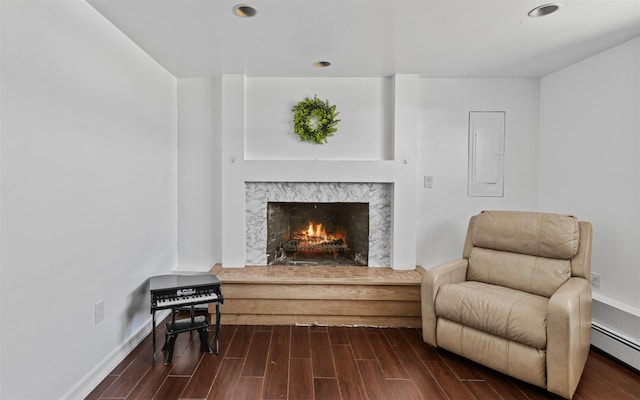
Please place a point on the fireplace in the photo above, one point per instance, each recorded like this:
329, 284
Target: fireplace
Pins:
312, 233
378, 196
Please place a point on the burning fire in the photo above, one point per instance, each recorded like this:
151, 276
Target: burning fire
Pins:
315, 233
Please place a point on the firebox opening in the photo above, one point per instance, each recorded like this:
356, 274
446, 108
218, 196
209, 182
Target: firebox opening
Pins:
301, 233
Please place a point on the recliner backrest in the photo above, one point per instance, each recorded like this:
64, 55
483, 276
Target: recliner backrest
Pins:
524, 250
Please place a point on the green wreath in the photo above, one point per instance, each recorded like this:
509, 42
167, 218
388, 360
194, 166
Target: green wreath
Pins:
314, 120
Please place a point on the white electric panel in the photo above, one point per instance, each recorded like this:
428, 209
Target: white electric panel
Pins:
486, 153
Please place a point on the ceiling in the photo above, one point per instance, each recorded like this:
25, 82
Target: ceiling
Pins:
368, 38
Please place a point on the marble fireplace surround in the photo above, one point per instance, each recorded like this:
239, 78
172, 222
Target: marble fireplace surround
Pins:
378, 195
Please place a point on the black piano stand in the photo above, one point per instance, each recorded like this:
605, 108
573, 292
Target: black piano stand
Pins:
175, 327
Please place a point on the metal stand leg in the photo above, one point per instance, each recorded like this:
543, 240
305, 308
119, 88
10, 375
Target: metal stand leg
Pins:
169, 347
153, 337
216, 345
204, 340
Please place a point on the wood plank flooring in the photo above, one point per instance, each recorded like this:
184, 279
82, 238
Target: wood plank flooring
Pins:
317, 362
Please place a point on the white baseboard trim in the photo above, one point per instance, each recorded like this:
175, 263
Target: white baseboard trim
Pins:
615, 344
100, 371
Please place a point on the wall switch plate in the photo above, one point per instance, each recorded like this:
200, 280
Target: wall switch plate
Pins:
595, 280
99, 311
428, 181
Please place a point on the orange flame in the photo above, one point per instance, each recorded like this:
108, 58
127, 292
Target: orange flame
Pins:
316, 231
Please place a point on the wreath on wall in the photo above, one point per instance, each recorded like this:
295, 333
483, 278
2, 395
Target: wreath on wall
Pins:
314, 120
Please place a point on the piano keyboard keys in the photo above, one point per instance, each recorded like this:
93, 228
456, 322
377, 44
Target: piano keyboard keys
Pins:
186, 300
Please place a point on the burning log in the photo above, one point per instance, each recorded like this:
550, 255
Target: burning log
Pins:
304, 236
308, 246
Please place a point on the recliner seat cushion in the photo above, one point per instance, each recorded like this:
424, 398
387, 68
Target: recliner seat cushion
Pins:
509, 357
533, 233
537, 275
511, 314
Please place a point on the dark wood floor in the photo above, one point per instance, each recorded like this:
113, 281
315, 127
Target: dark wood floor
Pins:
293, 362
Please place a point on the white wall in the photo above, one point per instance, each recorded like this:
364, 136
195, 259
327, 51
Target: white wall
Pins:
365, 130
199, 174
88, 162
443, 211
590, 164
437, 109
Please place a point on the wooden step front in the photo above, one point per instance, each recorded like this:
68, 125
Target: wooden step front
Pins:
319, 295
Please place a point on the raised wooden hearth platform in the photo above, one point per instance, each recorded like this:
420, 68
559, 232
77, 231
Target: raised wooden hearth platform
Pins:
320, 295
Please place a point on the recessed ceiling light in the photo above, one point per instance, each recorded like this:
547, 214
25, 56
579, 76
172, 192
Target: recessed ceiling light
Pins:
322, 64
543, 10
245, 11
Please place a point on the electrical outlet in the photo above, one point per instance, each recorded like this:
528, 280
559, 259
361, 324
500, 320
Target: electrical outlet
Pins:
99, 311
595, 280
428, 181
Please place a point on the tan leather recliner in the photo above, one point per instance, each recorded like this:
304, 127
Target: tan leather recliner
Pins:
519, 299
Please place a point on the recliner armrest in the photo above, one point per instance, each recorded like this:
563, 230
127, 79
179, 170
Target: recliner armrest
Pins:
450, 272
568, 335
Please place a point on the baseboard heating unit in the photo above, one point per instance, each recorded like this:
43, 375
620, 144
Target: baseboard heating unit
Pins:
617, 345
